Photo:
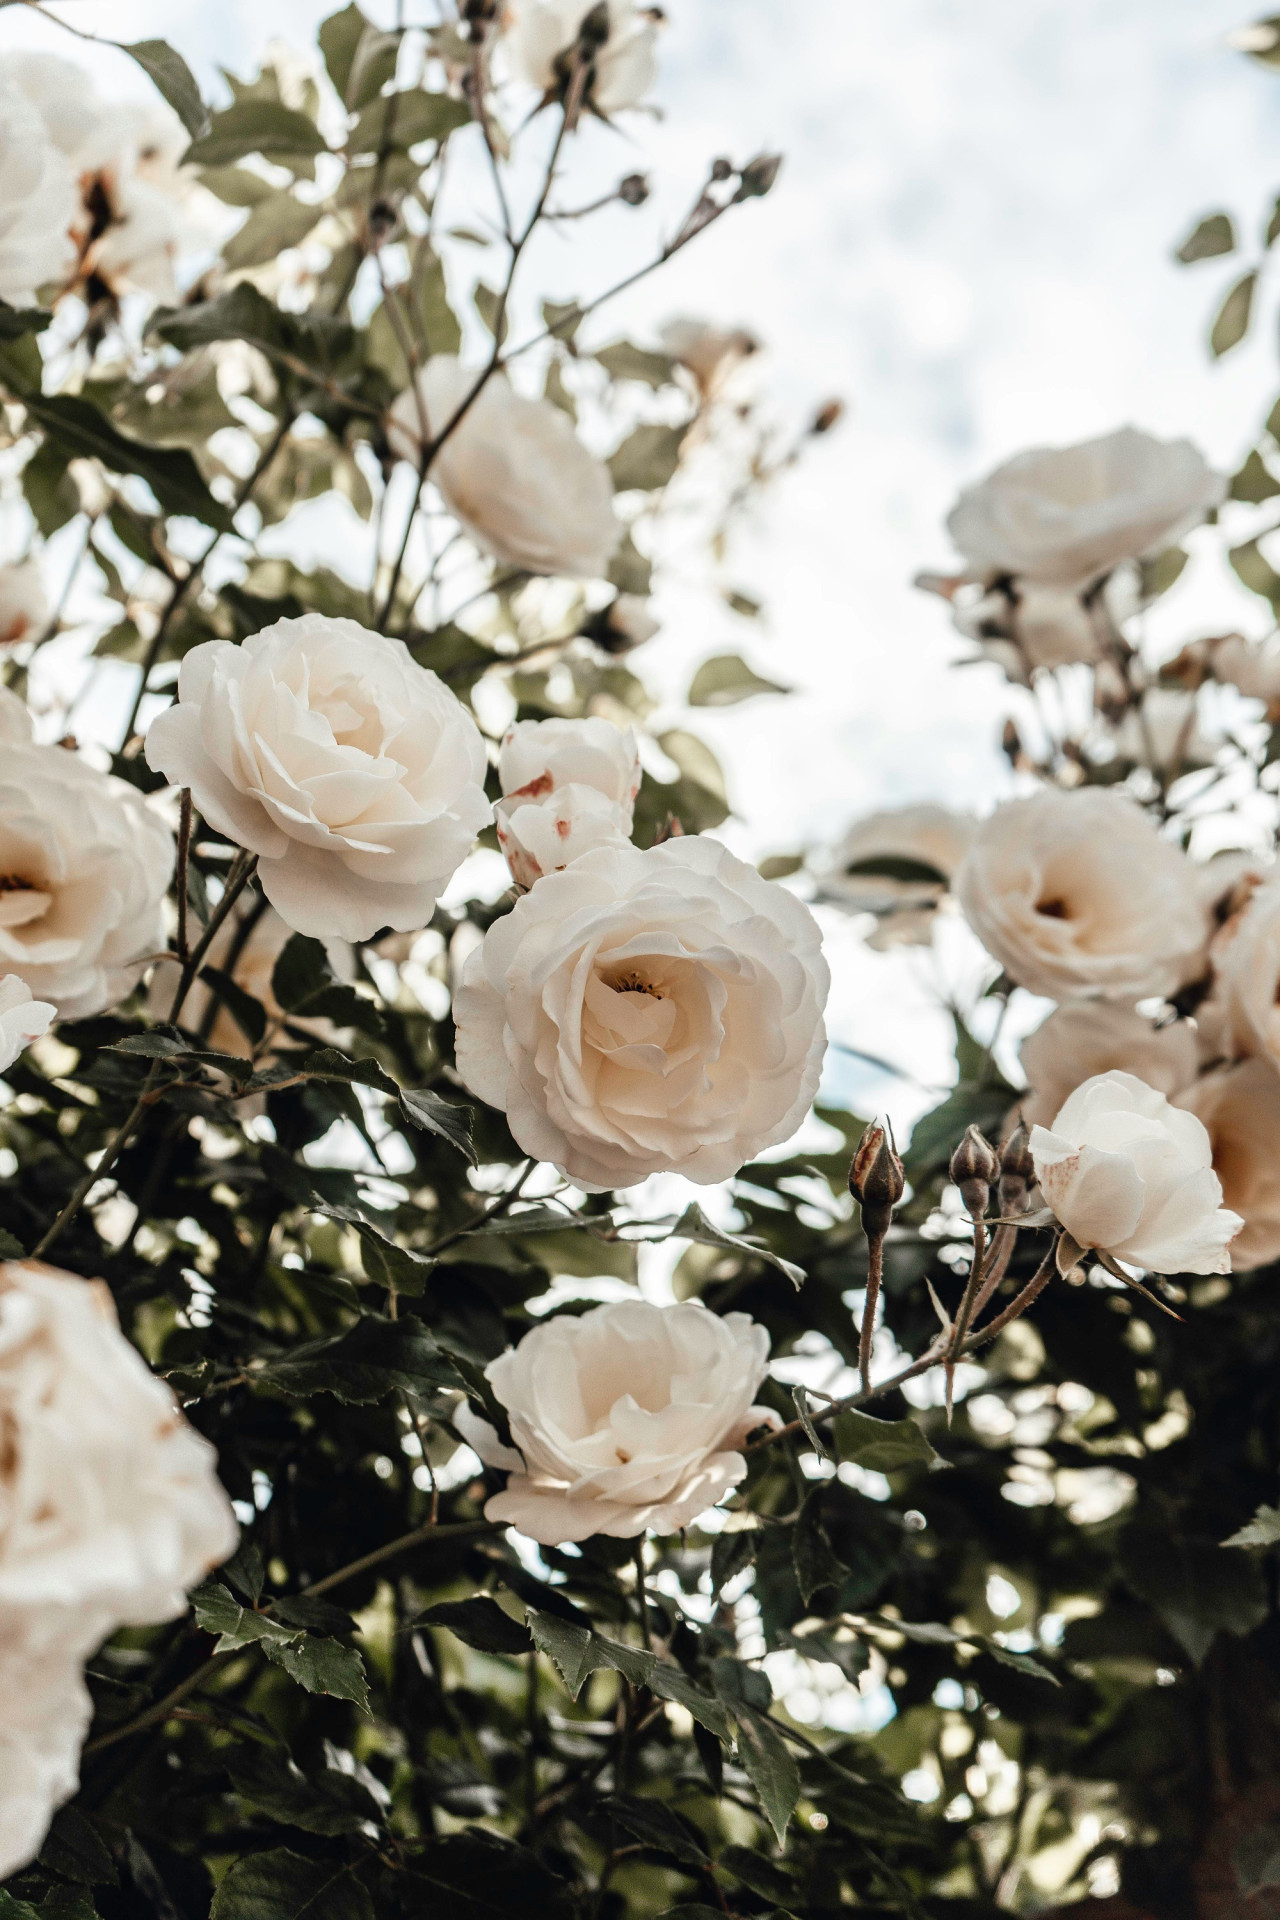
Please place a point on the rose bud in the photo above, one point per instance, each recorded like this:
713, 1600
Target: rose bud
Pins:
973, 1169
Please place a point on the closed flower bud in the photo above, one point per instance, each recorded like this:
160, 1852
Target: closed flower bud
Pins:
1017, 1172
827, 416
876, 1181
634, 190
722, 169
974, 1168
758, 176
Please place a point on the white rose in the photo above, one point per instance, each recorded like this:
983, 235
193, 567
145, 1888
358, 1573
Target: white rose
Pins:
539, 33
898, 865
1065, 515
710, 354
1090, 1037
84, 869
538, 757
513, 472
1076, 895
22, 1019
647, 1012
1249, 975
110, 1509
626, 1419
539, 837
38, 201
24, 605
1132, 1176
1240, 1106
1165, 733
1251, 666
352, 772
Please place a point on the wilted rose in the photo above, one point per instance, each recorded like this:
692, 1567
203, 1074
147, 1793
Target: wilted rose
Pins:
1089, 1037
625, 1420
1132, 1176
647, 1012
84, 868
513, 472
1240, 1106
1065, 515
352, 772
1076, 895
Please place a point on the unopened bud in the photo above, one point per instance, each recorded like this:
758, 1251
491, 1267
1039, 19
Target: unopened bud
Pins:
827, 417
722, 169
594, 30
1011, 743
758, 176
973, 1169
1017, 1172
380, 224
634, 190
876, 1181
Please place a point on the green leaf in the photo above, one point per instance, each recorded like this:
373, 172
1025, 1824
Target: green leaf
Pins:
694, 1225
779, 866
339, 37
1256, 572
657, 1826
372, 1359
937, 1133
770, 1767
301, 972
725, 679
11, 1909
1255, 1860
672, 1683
257, 126
74, 1848
1158, 574
319, 1664
881, 1446
1213, 235
278, 222
647, 457
398, 121
1232, 323
283, 1886
492, 309
576, 1652
1262, 1531
249, 1014
625, 361
1255, 482
895, 866
330, 1803
17, 321
1198, 1590
174, 79
816, 1563
10, 1249
481, 1623
434, 1114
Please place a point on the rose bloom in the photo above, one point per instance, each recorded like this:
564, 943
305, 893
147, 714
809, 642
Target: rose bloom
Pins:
1240, 1106
544, 836
38, 200
24, 605
1081, 1040
1132, 1176
84, 868
1248, 956
626, 1419
898, 865
710, 354
540, 34
22, 1019
1065, 515
1251, 666
1076, 894
567, 786
352, 772
513, 472
110, 1509
647, 1012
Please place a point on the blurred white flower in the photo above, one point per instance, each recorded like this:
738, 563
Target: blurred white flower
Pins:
1251, 666
110, 1509
626, 1419
24, 605
710, 354
1164, 732
540, 36
1077, 895
1089, 1037
898, 865
1248, 959
625, 623
84, 868
22, 1018
647, 1012
1022, 625
1065, 515
38, 201
513, 472
352, 772
1240, 1106
1131, 1176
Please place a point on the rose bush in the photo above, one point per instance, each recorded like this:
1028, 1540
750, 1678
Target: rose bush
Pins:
353, 773
647, 1012
625, 1420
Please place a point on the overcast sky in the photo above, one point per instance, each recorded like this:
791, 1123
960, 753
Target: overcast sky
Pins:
970, 241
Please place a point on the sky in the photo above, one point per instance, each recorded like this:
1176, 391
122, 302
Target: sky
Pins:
970, 242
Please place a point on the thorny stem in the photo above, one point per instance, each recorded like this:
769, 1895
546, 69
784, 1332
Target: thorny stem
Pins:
875, 1270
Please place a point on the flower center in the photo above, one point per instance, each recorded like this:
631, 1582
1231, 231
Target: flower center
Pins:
633, 983
16, 883
1053, 909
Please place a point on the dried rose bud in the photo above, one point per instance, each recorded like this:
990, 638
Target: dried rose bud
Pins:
758, 176
827, 417
876, 1181
634, 190
722, 169
973, 1169
594, 30
1017, 1172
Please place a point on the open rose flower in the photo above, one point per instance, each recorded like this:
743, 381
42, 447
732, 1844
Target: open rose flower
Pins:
1249, 975
513, 472
24, 605
567, 786
540, 36
110, 1509
647, 1012
352, 772
625, 1420
1064, 516
38, 200
1132, 1176
1240, 1107
84, 868
1077, 895
22, 1018
1089, 1037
